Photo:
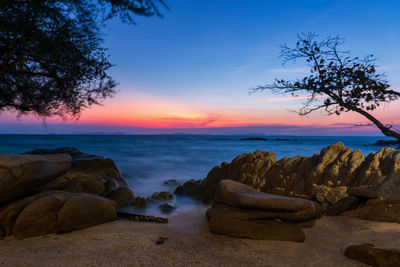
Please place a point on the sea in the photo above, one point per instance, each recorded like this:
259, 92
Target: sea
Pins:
147, 161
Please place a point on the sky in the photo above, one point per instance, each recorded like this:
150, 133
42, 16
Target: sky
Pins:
191, 71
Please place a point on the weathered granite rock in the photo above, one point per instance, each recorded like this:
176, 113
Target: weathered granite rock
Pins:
376, 257
345, 204
334, 166
188, 188
362, 192
54, 212
389, 186
62, 150
243, 196
84, 210
241, 211
160, 196
172, 183
122, 196
167, 207
94, 175
139, 202
235, 222
21, 175
386, 210
327, 195
248, 168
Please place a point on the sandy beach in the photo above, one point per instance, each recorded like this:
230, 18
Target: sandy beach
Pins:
189, 243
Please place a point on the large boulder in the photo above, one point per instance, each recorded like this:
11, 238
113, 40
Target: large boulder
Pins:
54, 212
376, 257
241, 211
94, 175
84, 210
21, 175
236, 222
243, 196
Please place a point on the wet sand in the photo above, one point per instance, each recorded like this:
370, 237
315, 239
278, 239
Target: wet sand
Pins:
189, 243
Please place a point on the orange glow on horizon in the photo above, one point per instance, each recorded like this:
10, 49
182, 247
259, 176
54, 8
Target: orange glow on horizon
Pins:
152, 112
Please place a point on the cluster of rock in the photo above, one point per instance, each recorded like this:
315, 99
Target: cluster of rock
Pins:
241, 211
58, 191
338, 178
376, 257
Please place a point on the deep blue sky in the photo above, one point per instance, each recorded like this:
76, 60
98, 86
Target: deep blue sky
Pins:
193, 68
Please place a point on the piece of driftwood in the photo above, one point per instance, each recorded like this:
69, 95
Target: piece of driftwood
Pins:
141, 218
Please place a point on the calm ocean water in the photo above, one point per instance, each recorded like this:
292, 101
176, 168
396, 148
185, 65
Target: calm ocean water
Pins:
146, 161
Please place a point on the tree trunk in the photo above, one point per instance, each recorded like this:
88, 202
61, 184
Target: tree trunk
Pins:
384, 129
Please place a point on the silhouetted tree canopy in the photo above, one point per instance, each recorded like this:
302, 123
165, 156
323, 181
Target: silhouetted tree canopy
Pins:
52, 60
337, 82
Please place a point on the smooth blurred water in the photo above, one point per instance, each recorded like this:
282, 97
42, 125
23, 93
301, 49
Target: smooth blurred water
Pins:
146, 161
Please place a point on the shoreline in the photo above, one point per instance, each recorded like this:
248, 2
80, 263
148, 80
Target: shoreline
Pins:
189, 243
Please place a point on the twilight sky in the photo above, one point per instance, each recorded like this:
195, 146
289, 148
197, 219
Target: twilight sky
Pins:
193, 68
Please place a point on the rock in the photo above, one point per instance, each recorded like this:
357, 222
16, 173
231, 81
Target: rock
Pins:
167, 207
94, 164
377, 257
84, 210
187, 188
63, 150
386, 143
139, 202
103, 181
54, 212
172, 183
362, 192
254, 139
160, 196
327, 195
39, 217
122, 196
235, 222
242, 196
390, 186
345, 204
377, 210
250, 169
21, 175
336, 167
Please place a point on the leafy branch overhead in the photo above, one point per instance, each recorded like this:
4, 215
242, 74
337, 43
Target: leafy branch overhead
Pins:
337, 82
51, 57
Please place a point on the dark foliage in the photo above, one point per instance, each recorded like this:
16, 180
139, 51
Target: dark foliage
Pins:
337, 82
51, 57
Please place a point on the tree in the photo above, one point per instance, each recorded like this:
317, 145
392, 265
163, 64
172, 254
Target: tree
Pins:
337, 82
51, 57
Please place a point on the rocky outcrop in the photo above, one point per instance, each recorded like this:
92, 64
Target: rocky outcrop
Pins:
93, 175
21, 175
376, 257
324, 177
42, 192
160, 196
55, 212
241, 211
386, 210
